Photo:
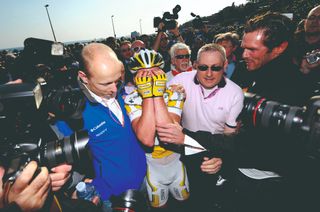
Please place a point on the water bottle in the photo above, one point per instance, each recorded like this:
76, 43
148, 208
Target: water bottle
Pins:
86, 191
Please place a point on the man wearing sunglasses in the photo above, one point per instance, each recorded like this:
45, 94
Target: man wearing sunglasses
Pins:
137, 45
212, 104
125, 54
180, 60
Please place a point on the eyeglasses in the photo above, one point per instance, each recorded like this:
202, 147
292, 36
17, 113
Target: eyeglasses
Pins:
212, 68
182, 56
313, 18
125, 50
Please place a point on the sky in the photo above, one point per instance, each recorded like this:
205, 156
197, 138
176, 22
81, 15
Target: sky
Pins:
76, 20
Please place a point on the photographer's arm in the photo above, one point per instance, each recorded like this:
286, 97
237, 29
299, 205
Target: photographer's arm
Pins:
156, 43
176, 34
28, 193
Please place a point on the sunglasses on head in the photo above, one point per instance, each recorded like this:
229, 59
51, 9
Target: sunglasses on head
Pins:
182, 56
212, 68
136, 49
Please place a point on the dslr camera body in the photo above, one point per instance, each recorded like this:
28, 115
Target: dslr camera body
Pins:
168, 19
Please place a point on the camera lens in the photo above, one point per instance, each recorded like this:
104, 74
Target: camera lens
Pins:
259, 112
67, 150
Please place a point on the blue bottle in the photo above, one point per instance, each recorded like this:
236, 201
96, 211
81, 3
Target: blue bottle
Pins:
86, 191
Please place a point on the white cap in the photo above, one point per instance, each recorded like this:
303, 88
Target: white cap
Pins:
81, 187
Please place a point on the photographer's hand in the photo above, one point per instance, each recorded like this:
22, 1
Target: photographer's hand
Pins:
305, 67
211, 166
176, 33
59, 176
30, 194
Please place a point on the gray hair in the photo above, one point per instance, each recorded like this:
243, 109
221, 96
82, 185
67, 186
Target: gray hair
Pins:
212, 47
178, 46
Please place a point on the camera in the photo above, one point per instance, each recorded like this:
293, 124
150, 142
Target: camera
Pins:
197, 22
25, 130
313, 57
300, 122
168, 19
71, 149
131, 200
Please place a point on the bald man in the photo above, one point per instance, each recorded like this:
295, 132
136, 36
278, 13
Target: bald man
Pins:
118, 160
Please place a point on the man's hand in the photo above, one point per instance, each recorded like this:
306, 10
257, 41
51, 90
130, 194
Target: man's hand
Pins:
305, 67
59, 176
176, 96
170, 133
29, 194
143, 81
159, 84
211, 166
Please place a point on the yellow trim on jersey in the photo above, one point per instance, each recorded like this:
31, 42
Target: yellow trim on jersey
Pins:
160, 152
155, 198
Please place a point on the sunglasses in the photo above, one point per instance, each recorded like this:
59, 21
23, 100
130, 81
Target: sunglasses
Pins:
182, 56
125, 50
136, 49
212, 68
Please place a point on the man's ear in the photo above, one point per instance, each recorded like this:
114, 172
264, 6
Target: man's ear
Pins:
281, 48
83, 77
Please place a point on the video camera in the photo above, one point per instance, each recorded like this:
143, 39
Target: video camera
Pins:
60, 67
168, 19
197, 22
302, 123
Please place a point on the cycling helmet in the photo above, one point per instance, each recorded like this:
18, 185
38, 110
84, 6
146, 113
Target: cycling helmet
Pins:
145, 58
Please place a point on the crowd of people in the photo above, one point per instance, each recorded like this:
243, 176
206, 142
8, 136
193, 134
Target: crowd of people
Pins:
162, 116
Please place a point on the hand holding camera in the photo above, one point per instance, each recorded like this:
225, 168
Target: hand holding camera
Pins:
310, 61
168, 19
28, 192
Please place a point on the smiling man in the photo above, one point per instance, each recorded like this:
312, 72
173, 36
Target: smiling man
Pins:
180, 60
212, 104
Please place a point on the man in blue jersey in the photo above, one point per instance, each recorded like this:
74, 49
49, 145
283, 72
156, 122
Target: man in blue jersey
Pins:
118, 160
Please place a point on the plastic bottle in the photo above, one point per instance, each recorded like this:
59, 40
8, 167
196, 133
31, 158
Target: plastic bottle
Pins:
86, 191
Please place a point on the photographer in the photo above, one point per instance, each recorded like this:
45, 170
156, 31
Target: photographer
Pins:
308, 41
26, 193
307, 52
162, 44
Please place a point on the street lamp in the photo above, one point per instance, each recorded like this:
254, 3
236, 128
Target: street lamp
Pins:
54, 36
114, 33
140, 26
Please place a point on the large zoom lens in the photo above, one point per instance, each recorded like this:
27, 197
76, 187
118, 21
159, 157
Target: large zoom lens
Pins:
259, 112
67, 150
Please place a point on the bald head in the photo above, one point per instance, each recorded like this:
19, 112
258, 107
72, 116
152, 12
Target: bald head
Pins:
312, 25
102, 69
96, 53
314, 10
